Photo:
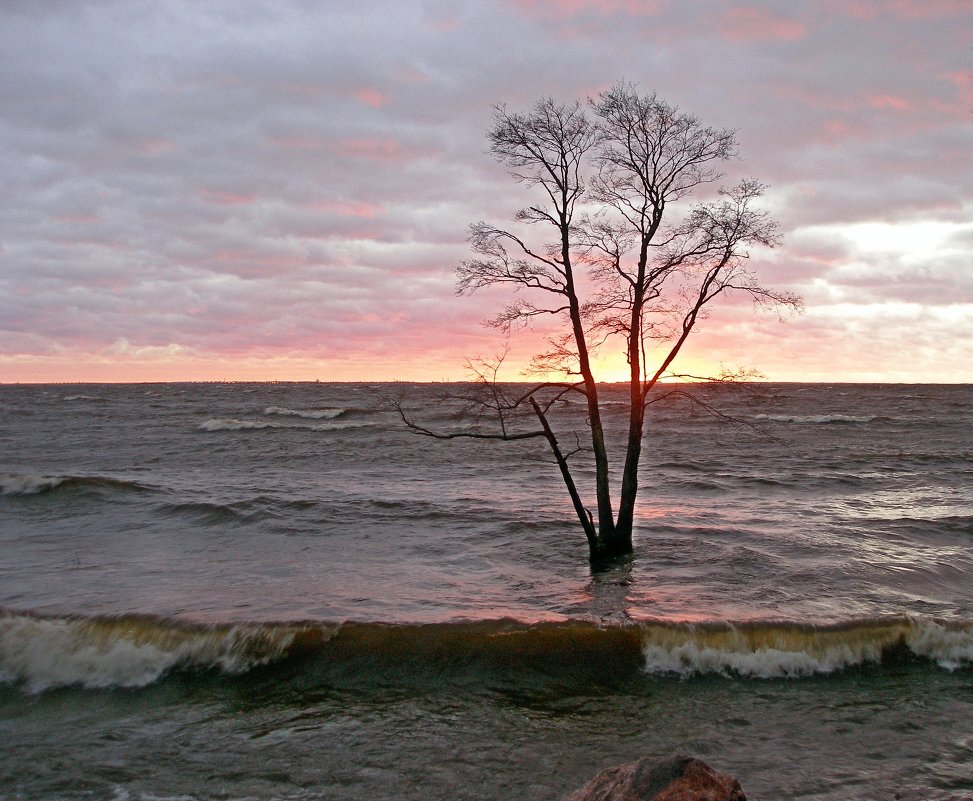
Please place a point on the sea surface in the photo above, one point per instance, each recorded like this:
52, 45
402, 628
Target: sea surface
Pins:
277, 591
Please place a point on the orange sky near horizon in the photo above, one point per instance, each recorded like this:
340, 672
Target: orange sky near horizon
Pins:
706, 357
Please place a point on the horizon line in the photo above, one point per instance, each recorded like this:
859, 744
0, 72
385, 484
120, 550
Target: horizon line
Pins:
453, 381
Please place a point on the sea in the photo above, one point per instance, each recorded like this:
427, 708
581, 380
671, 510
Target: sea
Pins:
279, 591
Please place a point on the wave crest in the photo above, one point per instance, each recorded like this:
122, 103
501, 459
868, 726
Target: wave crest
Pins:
42, 653
29, 484
309, 414
818, 418
247, 425
787, 650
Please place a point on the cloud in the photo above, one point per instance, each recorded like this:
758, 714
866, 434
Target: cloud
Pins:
559, 9
752, 23
287, 183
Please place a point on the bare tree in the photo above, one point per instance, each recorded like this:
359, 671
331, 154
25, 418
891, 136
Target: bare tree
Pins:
614, 264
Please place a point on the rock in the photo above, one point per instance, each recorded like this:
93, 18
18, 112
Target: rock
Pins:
676, 779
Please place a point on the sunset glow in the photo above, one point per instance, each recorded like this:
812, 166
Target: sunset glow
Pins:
226, 199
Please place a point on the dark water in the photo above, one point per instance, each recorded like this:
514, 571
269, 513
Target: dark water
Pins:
274, 591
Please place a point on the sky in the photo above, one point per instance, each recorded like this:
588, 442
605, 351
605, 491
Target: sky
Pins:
249, 190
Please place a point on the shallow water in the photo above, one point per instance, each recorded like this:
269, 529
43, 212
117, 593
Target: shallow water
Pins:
395, 731
798, 611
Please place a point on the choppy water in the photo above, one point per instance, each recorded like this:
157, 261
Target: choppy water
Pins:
274, 591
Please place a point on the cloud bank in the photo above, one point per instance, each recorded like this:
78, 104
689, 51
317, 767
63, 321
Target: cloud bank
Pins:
249, 189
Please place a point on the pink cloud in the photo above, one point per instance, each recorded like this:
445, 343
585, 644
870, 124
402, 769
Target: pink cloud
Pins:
366, 95
411, 74
153, 147
347, 209
371, 97
836, 127
889, 101
752, 24
445, 23
963, 86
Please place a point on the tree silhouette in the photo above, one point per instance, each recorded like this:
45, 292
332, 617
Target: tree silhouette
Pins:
615, 265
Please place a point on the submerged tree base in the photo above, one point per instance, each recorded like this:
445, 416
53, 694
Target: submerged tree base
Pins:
605, 557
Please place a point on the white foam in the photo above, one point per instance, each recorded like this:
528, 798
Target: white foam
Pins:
43, 653
246, 425
950, 648
51, 653
815, 418
789, 650
763, 663
310, 414
28, 484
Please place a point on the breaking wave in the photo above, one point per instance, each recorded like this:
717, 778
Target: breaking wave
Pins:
777, 650
38, 653
309, 414
28, 484
247, 425
818, 418
42, 653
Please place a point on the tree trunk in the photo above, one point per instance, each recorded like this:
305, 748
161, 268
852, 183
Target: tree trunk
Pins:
630, 487
633, 448
636, 420
606, 514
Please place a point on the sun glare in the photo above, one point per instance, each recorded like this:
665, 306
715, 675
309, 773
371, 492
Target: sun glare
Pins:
613, 368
